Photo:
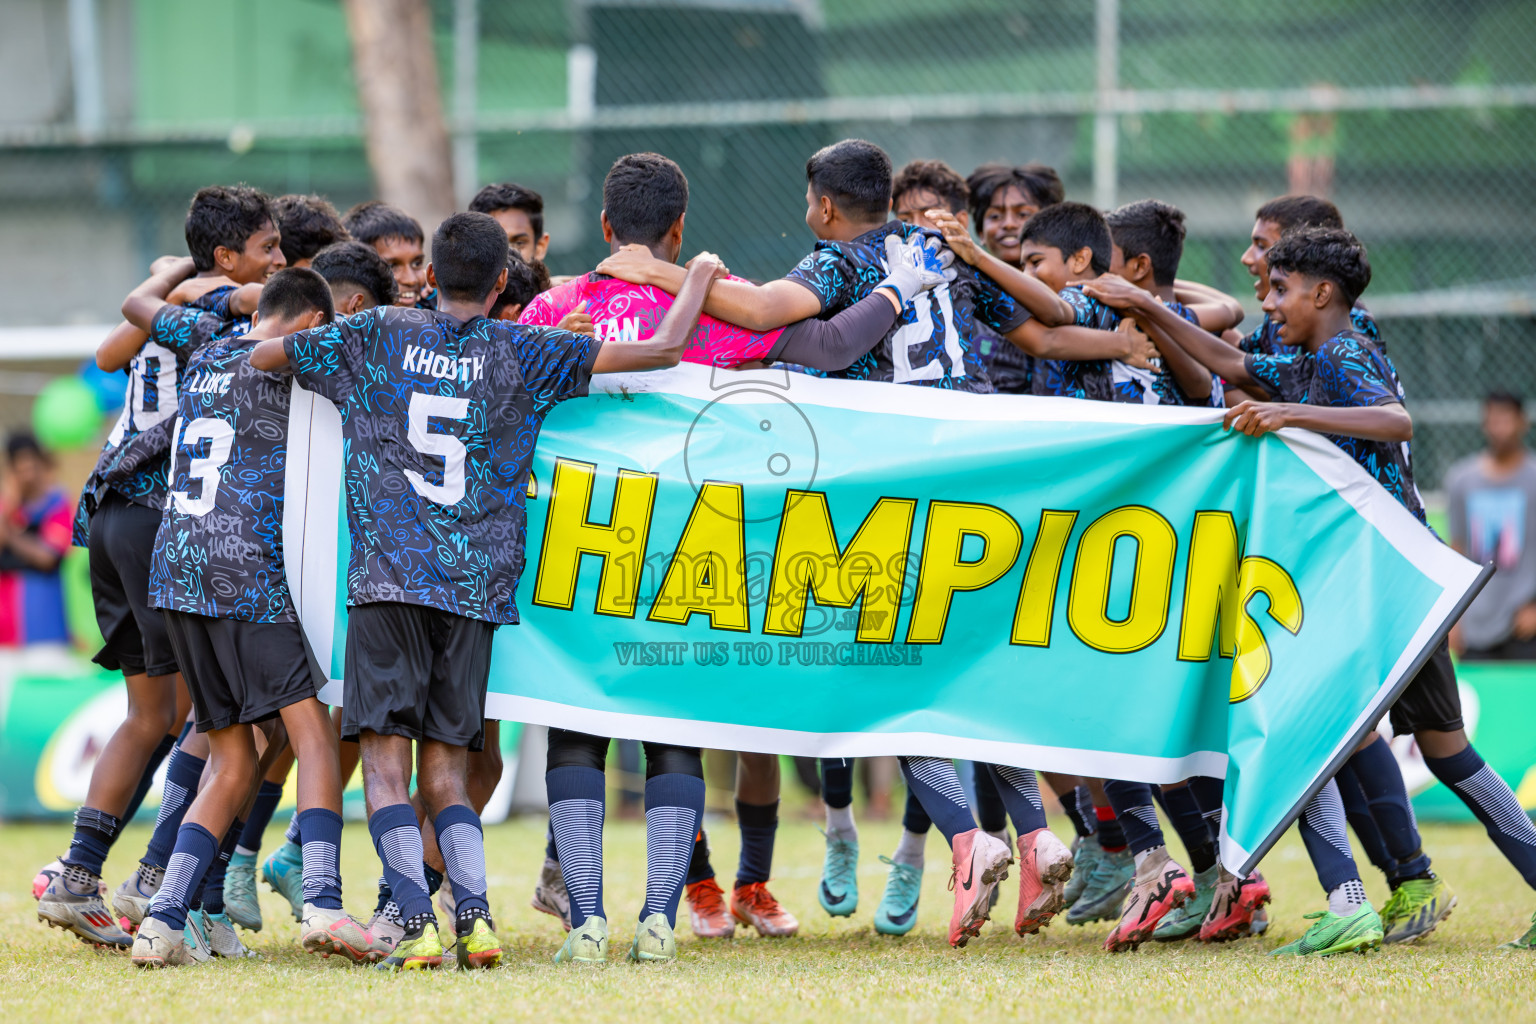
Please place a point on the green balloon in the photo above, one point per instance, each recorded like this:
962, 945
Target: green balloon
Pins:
66, 415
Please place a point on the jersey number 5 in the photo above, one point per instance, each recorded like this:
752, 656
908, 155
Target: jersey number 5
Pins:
205, 469
450, 448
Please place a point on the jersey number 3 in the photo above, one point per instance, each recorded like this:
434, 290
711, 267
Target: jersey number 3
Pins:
448, 447
203, 470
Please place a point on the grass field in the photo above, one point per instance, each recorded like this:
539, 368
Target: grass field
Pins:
834, 970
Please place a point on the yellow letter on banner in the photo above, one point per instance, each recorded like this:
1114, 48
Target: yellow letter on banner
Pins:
807, 562
1151, 586
1251, 666
1211, 604
707, 573
569, 533
942, 571
1037, 596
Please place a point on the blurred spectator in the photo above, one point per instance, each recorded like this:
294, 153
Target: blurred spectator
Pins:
36, 519
1491, 501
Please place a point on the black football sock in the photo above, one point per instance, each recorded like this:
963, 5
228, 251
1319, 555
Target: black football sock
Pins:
759, 825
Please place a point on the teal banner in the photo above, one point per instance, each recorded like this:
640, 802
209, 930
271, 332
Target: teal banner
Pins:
777, 562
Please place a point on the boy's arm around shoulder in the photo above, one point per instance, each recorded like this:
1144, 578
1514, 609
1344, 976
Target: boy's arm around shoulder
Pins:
1208, 350
755, 307
1216, 310
270, 355
139, 310
666, 345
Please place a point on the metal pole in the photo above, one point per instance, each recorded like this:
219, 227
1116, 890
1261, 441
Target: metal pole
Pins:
1106, 125
466, 66
85, 67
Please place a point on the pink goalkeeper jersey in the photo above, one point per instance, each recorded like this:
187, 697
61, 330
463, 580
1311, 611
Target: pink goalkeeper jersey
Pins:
624, 312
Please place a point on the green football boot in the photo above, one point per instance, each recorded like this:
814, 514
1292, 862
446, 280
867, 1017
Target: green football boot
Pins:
284, 874
839, 892
1184, 921
654, 942
1108, 885
421, 952
897, 913
480, 949
240, 892
1085, 854
1415, 908
1357, 933
1526, 941
587, 944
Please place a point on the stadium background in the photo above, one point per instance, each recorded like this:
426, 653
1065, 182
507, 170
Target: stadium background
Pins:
1417, 116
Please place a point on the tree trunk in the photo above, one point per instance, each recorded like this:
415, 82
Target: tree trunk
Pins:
397, 89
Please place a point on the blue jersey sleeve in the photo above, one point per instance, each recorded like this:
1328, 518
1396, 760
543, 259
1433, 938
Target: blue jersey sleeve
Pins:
556, 364
1349, 373
995, 307
829, 277
216, 301
1361, 320
1273, 373
183, 329
326, 359
1088, 311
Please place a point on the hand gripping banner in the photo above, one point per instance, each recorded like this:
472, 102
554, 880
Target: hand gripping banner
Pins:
777, 562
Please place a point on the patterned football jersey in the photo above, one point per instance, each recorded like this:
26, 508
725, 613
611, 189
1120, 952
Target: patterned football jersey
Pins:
1348, 370
1265, 339
134, 459
1092, 379
1167, 389
933, 341
440, 417
216, 301
1011, 369
625, 312
1109, 380
219, 551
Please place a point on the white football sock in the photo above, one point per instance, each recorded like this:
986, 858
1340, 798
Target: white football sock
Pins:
1347, 898
910, 849
840, 824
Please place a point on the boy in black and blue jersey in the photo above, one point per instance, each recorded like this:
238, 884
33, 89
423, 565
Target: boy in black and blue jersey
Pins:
420, 624
1332, 378
218, 575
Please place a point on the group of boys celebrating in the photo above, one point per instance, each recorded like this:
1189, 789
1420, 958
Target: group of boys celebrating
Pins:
443, 373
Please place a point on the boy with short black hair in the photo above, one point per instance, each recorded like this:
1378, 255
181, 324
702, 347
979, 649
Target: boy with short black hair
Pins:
232, 622
396, 236
1334, 379
520, 211
359, 279
645, 201
419, 628
1271, 222
308, 223
235, 241
1147, 245
1070, 242
358, 276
